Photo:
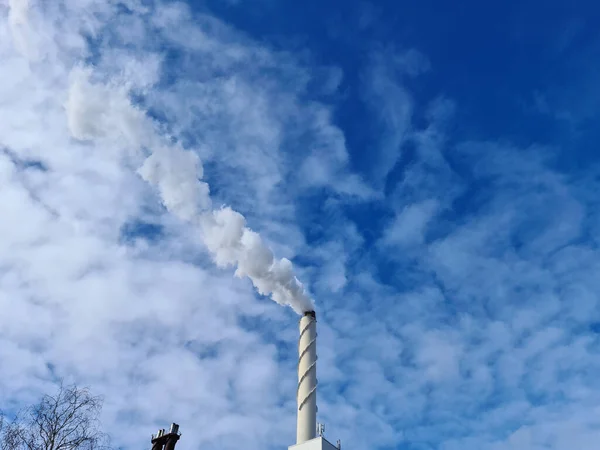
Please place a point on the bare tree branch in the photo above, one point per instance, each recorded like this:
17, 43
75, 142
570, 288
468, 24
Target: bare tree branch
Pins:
65, 421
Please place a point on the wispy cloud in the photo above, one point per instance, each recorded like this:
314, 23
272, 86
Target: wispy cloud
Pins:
391, 104
482, 284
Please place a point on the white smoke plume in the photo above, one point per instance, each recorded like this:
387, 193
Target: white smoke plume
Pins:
176, 173
232, 243
99, 111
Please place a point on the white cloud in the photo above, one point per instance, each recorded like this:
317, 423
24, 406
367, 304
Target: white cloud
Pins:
409, 225
438, 357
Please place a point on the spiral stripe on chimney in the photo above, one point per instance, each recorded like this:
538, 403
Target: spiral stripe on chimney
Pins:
306, 426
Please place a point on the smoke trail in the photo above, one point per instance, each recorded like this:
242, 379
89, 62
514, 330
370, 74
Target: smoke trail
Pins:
97, 111
232, 243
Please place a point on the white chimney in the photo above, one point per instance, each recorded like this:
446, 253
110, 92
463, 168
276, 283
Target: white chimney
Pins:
306, 427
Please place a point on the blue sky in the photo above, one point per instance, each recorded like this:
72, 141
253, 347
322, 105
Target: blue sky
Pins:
429, 169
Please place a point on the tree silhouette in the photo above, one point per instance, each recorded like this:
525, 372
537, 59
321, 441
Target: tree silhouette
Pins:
67, 420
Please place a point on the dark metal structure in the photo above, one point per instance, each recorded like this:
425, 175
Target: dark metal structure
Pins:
166, 441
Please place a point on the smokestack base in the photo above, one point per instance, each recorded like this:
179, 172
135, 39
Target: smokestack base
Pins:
318, 443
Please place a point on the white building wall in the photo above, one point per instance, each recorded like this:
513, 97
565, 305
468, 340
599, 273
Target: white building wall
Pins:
318, 443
